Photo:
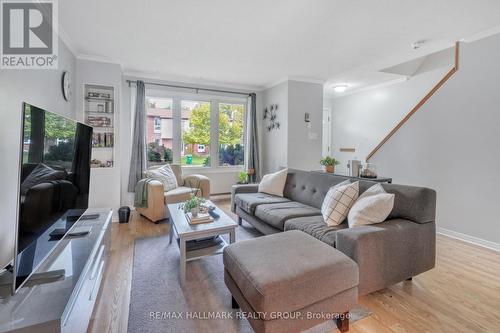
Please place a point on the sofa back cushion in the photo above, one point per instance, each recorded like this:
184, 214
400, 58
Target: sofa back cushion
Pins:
177, 169
308, 187
41, 174
417, 204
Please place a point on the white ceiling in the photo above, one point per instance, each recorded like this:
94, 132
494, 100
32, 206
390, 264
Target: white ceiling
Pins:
255, 43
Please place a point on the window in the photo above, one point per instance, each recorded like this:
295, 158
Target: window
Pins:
201, 148
231, 130
159, 130
193, 132
157, 125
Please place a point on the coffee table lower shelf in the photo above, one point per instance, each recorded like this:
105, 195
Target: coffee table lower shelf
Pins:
188, 234
213, 250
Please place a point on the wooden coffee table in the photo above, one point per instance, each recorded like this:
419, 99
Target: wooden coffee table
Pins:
189, 232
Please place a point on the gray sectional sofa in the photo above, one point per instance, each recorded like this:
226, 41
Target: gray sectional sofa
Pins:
386, 253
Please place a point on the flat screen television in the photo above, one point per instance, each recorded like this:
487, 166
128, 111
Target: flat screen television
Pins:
53, 187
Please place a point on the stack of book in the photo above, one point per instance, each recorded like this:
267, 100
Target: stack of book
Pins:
200, 218
99, 121
102, 140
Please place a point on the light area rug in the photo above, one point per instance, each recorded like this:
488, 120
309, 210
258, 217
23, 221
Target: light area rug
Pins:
159, 304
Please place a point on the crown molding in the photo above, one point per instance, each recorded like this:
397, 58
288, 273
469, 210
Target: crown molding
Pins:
63, 36
306, 79
96, 58
483, 34
275, 83
293, 78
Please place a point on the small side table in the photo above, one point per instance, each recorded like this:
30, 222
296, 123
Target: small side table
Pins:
377, 180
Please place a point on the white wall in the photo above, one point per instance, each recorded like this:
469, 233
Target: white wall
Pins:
274, 143
451, 145
304, 139
104, 182
41, 88
294, 144
361, 120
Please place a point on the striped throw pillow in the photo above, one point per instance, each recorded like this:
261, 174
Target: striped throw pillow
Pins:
338, 201
166, 175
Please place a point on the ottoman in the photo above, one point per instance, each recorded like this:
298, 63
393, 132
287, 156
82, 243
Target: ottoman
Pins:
290, 281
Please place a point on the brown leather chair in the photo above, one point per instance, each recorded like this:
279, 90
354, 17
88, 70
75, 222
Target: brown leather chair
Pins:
158, 198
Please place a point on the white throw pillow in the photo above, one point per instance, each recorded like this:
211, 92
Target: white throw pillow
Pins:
274, 183
338, 201
373, 206
166, 175
375, 189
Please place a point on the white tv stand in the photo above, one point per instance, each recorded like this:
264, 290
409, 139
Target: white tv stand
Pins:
62, 303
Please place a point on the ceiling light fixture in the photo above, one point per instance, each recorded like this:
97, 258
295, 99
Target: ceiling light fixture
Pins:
340, 88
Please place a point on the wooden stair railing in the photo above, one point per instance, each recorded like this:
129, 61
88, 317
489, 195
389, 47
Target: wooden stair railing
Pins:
419, 105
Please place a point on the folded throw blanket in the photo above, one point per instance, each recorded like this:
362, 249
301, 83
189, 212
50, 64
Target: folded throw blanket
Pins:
141, 193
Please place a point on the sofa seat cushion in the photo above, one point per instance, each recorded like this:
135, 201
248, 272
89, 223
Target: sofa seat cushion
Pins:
288, 271
277, 214
316, 227
249, 201
178, 194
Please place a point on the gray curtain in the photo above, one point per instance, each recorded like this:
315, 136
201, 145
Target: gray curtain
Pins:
138, 158
253, 140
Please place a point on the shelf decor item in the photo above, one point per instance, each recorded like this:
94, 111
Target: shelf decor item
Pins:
99, 121
329, 163
369, 171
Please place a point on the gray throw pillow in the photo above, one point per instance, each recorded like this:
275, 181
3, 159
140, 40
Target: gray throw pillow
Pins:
41, 174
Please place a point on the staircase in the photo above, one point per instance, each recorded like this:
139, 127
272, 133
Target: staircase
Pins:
452, 71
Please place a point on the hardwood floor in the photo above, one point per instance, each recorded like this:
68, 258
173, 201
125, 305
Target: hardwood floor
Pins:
462, 294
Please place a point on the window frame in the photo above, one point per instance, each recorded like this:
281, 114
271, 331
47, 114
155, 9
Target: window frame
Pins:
214, 100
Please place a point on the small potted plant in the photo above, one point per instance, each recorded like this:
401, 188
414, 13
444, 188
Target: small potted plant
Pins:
329, 163
243, 178
193, 205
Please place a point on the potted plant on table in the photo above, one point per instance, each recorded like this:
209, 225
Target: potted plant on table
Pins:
193, 205
329, 163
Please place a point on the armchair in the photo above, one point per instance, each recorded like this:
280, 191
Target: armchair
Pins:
158, 198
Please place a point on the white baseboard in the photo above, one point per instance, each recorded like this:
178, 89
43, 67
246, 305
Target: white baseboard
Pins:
221, 196
469, 239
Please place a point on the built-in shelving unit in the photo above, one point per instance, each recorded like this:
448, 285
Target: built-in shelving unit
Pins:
99, 110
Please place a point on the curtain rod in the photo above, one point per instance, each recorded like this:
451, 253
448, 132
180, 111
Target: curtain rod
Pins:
186, 87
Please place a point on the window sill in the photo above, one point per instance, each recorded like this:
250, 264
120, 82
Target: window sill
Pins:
198, 169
